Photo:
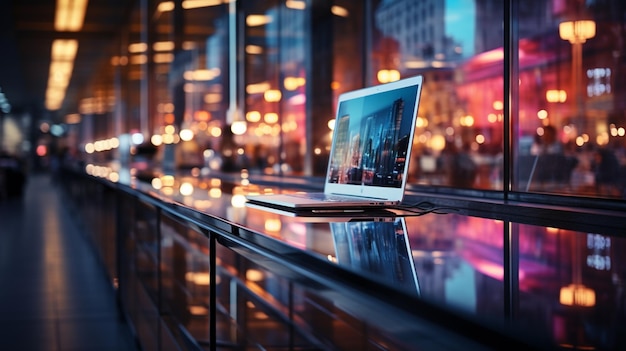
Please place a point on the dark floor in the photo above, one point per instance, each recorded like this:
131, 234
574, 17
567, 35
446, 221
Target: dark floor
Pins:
54, 295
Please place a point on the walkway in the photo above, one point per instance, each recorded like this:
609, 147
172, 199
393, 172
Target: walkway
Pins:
54, 294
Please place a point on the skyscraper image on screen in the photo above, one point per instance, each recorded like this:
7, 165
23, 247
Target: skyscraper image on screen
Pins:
371, 141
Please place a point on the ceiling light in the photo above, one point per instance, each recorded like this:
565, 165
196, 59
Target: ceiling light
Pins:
339, 11
162, 46
295, 4
165, 6
258, 20
63, 53
64, 50
194, 4
70, 15
136, 48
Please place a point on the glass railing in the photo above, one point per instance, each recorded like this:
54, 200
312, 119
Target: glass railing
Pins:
196, 268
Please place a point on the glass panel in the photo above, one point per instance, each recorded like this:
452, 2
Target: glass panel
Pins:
147, 248
571, 119
204, 69
459, 133
254, 306
269, 306
144, 288
185, 278
189, 84
275, 76
459, 262
570, 285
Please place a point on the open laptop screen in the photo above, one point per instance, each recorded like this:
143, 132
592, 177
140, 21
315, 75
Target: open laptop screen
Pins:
373, 134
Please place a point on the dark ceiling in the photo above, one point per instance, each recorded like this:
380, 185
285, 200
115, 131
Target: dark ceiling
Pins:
26, 35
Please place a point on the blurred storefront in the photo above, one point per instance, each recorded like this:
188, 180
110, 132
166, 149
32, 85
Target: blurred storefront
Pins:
231, 85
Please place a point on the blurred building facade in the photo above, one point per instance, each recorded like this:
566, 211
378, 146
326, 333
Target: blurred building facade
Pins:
229, 85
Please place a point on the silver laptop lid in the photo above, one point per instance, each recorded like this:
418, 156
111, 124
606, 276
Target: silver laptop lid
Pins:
372, 140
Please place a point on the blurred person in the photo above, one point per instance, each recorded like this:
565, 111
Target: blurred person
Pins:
548, 143
551, 166
459, 165
606, 171
12, 176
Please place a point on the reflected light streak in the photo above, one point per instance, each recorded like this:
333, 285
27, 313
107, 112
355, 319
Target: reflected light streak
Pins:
254, 275
196, 310
272, 225
260, 315
199, 278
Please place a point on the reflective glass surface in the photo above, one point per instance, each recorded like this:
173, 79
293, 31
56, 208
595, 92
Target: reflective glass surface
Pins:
565, 283
570, 133
522, 101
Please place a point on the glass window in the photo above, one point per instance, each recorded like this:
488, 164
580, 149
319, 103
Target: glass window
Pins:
459, 133
570, 136
255, 84
275, 87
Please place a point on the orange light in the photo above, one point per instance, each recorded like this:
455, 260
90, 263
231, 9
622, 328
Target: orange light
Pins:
577, 31
70, 15
577, 295
556, 95
388, 75
272, 95
202, 115
168, 118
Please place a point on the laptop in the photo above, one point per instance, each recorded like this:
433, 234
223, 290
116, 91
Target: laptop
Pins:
378, 249
370, 151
